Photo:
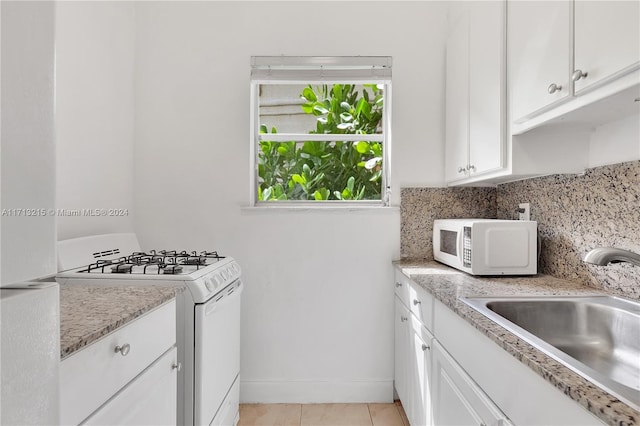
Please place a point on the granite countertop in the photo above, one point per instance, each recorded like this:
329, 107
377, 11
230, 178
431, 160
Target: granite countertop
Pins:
447, 285
89, 312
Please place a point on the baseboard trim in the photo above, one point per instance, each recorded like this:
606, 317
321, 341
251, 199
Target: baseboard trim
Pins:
273, 392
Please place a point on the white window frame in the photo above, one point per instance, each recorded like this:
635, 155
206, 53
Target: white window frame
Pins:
317, 70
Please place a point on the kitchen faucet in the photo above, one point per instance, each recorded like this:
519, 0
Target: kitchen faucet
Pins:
605, 255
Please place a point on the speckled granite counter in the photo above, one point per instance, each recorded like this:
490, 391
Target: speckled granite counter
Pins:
447, 285
89, 312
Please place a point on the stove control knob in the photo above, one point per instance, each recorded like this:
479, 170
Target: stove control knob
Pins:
215, 282
208, 282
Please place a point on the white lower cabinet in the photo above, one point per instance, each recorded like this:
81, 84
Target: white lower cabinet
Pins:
401, 350
456, 399
413, 340
433, 388
127, 377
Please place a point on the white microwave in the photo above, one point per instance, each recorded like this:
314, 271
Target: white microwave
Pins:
487, 246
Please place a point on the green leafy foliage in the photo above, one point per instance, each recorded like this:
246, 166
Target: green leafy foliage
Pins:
327, 171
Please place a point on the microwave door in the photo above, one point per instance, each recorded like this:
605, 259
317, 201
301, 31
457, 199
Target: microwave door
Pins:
447, 244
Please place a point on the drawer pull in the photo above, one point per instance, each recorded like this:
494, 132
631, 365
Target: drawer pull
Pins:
403, 319
398, 284
425, 347
124, 349
177, 366
416, 302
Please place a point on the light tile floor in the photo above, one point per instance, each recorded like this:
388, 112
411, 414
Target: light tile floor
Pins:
322, 415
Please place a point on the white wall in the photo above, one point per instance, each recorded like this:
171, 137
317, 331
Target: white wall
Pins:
94, 114
28, 144
317, 320
615, 142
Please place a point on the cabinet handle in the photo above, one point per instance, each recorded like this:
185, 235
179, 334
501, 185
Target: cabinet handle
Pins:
177, 366
425, 347
416, 302
124, 349
403, 319
461, 169
578, 75
553, 88
398, 284
471, 168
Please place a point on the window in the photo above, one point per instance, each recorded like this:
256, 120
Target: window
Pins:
320, 130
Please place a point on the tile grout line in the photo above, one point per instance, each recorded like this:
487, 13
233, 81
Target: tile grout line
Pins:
370, 416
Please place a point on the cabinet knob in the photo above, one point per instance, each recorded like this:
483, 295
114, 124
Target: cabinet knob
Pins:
403, 319
461, 169
416, 302
471, 168
579, 74
398, 284
425, 347
124, 349
177, 366
553, 88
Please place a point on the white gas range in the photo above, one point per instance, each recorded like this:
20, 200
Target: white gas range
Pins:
208, 325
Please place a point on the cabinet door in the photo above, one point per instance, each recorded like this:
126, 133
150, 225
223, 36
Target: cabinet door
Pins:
607, 39
401, 351
487, 85
150, 399
539, 51
457, 100
420, 412
457, 400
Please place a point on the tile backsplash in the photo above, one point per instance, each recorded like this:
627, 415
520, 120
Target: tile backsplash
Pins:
575, 213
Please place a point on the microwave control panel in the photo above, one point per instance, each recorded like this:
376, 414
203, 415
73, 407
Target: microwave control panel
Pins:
466, 247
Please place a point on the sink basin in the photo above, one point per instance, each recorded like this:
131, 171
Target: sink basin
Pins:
598, 337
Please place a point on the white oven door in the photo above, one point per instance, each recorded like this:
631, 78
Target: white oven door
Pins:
217, 351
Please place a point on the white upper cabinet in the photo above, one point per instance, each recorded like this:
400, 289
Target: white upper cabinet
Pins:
475, 90
457, 100
486, 86
539, 51
607, 41
576, 62
529, 42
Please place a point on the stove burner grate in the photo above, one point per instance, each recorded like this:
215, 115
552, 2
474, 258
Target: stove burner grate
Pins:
169, 262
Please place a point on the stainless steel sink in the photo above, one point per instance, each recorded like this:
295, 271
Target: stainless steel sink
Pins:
598, 337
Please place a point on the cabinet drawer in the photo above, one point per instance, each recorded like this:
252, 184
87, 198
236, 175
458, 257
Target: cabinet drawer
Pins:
94, 374
402, 283
151, 399
421, 305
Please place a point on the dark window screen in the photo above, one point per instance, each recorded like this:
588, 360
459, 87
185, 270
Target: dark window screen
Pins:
448, 242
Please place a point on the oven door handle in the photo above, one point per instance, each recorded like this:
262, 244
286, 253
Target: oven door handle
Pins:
213, 304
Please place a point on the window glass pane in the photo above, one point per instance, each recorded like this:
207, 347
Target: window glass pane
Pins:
328, 108
319, 171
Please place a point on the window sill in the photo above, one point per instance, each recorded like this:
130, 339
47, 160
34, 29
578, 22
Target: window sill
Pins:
320, 208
